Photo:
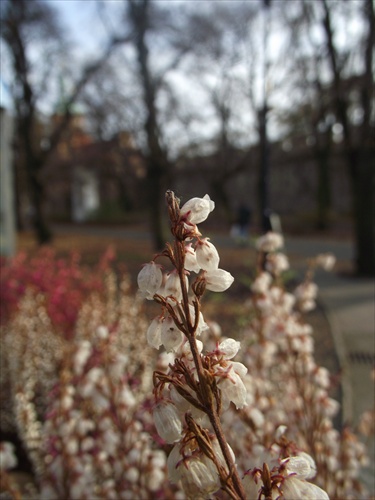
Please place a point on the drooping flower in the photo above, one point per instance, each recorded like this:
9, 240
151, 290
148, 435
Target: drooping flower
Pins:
150, 279
270, 242
294, 485
229, 347
197, 473
8, 459
196, 210
191, 263
262, 283
326, 261
154, 333
277, 263
173, 286
207, 255
171, 337
218, 280
167, 422
233, 389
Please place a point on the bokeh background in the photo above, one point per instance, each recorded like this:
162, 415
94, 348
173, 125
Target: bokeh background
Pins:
268, 106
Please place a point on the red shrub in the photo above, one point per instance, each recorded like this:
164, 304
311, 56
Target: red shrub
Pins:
66, 282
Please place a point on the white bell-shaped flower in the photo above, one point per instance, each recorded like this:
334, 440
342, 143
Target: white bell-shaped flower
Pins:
218, 280
150, 279
171, 336
294, 488
298, 466
154, 333
199, 477
233, 389
8, 459
197, 473
167, 422
277, 263
207, 255
173, 286
196, 210
326, 261
202, 325
270, 242
262, 283
229, 347
191, 263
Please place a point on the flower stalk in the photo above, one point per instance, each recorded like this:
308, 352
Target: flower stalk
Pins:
194, 376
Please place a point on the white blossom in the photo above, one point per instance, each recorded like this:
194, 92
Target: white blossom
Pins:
171, 337
218, 280
154, 333
229, 347
149, 279
191, 263
81, 356
270, 242
172, 285
262, 283
277, 263
167, 422
233, 389
326, 261
296, 489
196, 210
8, 459
197, 473
207, 255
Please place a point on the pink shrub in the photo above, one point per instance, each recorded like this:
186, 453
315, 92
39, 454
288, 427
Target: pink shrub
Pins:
65, 282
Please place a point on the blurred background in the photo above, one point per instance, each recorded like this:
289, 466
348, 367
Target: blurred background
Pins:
267, 106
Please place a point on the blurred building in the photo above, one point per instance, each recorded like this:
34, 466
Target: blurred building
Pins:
88, 178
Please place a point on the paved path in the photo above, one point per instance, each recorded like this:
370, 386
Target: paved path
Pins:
349, 303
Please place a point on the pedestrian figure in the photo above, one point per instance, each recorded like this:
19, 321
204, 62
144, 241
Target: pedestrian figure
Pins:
241, 228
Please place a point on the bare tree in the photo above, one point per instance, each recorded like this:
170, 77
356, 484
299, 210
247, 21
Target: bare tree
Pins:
158, 165
358, 141
219, 37
26, 26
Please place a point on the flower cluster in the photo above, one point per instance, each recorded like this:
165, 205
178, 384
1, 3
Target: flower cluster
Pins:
95, 437
198, 386
287, 389
80, 407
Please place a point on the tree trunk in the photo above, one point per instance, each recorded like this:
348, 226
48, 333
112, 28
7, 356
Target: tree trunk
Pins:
157, 162
363, 184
